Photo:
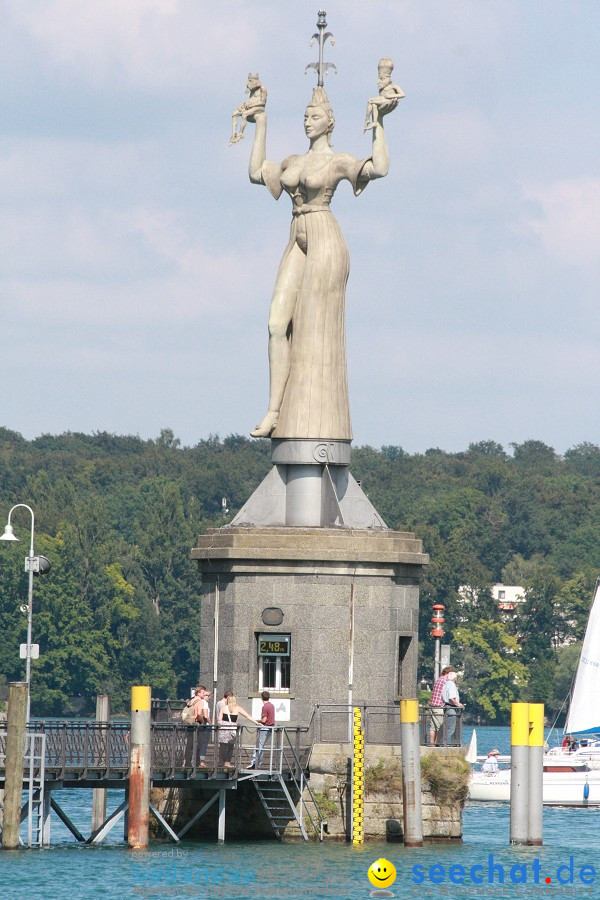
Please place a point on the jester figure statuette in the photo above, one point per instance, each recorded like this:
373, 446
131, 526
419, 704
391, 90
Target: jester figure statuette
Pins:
308, 391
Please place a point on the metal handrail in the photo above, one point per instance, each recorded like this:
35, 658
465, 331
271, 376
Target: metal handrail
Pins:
381, 724
300, 788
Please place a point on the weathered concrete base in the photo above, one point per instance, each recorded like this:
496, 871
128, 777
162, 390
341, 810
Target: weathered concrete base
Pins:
330, 784
349, 601
329, 781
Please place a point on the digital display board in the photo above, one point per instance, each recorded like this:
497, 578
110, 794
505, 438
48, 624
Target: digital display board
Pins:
273, 644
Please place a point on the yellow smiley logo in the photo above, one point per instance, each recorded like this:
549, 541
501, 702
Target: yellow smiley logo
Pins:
381, 873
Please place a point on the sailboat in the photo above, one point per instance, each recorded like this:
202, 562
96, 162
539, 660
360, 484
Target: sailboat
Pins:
584, 710
568, 776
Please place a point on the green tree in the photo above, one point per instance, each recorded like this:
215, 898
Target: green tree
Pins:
493, 672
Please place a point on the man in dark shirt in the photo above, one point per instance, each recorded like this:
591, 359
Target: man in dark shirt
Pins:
267, 720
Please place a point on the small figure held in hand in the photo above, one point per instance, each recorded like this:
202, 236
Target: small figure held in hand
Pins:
389, 94
245, 111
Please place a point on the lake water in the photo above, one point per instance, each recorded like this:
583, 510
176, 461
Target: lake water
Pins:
270, 869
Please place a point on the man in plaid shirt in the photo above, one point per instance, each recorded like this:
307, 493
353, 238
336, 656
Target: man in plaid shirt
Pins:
436, 705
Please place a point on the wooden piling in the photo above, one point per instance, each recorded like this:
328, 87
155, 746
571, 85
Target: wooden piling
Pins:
139, 768
412, 809
15, 748
99, 794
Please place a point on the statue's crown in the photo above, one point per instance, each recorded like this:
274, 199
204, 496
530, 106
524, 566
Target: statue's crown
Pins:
385, 66
320, 98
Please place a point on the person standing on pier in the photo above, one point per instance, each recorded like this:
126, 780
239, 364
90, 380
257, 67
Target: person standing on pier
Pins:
203, 720
228, 729
436, 706
452, 704
267, 720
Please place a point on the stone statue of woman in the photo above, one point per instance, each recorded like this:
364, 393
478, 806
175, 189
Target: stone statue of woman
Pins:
308, 396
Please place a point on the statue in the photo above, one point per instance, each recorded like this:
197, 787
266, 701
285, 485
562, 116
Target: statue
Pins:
245, 111
308, 396
388, 93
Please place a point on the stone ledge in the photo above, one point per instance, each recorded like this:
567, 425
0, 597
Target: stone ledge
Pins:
329, 545
215, 566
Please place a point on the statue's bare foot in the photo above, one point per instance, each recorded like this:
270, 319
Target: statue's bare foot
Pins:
267, 426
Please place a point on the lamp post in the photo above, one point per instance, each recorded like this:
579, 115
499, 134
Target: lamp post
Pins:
32, 564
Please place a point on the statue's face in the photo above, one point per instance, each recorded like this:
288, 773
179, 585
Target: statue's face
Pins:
316, 121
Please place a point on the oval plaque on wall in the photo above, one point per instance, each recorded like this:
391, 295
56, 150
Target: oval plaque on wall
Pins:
272, 615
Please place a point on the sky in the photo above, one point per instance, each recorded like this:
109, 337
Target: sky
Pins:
137, 261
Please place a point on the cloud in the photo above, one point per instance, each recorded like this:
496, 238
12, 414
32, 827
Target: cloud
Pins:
567, 223
145, 43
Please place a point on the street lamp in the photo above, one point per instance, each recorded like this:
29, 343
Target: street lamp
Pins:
32, 564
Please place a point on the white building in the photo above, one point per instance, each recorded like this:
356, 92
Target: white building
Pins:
507, 596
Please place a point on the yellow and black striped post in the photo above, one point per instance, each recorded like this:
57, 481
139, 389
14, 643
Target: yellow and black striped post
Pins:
412, 809
358, 779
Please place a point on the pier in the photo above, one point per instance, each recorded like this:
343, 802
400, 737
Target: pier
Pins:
85, 754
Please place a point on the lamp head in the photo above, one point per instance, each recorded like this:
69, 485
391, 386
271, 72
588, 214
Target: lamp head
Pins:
8, 533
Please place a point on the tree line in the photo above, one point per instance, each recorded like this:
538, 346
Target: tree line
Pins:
117, 516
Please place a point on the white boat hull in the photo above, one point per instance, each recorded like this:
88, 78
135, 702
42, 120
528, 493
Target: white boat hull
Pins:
560, 788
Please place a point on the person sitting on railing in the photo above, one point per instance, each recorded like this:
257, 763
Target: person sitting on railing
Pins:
228, 729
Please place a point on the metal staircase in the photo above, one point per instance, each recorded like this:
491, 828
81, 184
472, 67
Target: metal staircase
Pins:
285, 787
279, 806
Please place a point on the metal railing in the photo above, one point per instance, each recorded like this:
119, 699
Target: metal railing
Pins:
332, 724
82, 749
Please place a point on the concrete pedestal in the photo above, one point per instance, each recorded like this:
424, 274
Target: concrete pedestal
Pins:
348, 599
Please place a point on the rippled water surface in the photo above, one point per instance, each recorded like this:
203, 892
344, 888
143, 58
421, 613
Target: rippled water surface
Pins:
68, 870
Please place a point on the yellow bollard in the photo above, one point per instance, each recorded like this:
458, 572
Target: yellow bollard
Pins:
139, 768
535, 824
412, 810
519, 773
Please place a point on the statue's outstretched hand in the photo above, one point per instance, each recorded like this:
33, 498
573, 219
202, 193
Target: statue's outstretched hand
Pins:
388, 107
258, 113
